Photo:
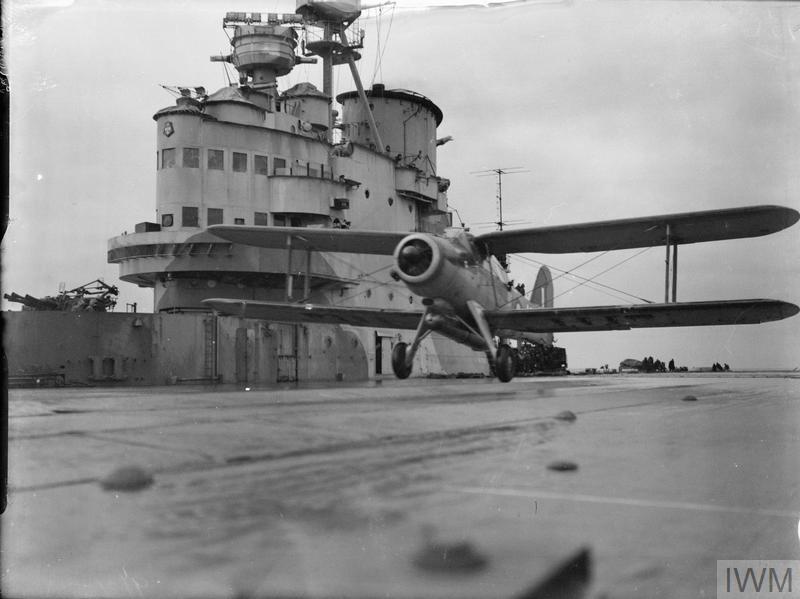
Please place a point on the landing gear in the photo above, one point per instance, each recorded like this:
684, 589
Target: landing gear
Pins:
505, 364
501, 360
403, 354
401, 369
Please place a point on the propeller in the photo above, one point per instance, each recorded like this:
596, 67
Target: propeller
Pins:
415, 257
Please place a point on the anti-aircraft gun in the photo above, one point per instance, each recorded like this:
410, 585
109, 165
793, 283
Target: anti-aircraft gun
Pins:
95, 296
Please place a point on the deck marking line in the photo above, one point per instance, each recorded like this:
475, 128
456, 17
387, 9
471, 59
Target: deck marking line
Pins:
678, 505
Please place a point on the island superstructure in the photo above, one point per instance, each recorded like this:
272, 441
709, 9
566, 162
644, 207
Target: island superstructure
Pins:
249, 154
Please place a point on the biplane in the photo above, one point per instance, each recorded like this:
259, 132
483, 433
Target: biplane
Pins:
461, 280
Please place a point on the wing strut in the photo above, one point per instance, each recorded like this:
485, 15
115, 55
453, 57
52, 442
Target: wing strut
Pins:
483, 328
423, 330
670, 240
674, 273
307, 280
674, 268
290, 276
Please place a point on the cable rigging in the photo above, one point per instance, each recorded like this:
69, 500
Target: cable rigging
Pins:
590, 281
381, 49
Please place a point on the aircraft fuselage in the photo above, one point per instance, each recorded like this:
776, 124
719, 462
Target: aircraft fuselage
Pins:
450, 272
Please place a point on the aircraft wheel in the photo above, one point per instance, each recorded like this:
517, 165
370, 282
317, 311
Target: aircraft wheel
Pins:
505, 364
401, 371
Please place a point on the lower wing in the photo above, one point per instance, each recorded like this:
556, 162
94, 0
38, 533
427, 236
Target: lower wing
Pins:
313, 313
611, 318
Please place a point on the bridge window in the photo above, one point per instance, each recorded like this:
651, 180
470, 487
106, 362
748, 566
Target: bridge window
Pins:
189, 216
214, 216
216, 160
166, 220
238, 221
168, 158
261, 165
191, 157
260, 219
239, 162
278, 166
286, 220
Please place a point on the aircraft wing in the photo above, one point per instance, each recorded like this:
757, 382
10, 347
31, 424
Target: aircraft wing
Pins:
610, 318
322, 240
314, 313
689, 227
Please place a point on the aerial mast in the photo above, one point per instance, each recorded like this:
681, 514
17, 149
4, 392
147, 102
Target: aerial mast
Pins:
499, 172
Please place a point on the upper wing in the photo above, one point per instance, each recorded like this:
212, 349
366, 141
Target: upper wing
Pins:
313, 313
609, 318
690, 227
322, 240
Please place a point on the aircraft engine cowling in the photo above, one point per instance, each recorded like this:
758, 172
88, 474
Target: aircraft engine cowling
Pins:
430, 266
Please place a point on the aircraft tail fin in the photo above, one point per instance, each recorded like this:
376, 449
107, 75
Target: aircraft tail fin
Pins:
542, 294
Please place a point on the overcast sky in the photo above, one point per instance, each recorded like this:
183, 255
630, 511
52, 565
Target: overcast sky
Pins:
615, 109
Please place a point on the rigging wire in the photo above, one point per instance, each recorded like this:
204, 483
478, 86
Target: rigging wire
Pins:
585, 280
570, 271
226, 73
363, 275
591, 279
615, 293
364, 292
369, 276
382, 51
225, 65
378, 23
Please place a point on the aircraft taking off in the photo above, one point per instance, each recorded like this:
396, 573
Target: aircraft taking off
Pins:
459, 278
